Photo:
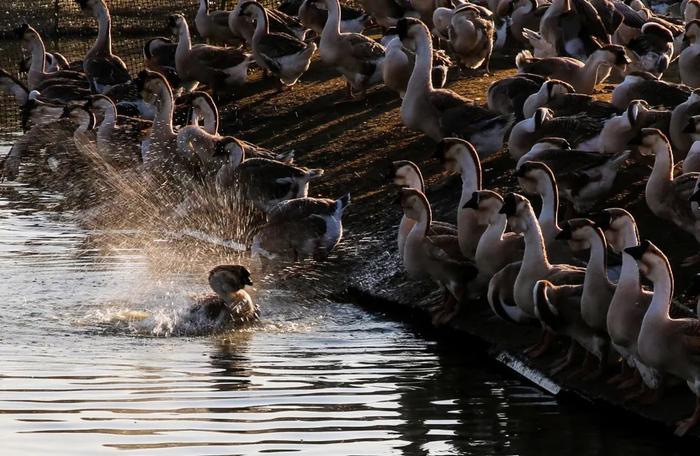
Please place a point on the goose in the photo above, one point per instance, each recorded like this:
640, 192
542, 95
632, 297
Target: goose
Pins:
559, 307
645, 86
471, 34
574, 28
459, 156
598, 290
351, 20
265, 183
666, 196
220, 68
652, 50
398, 65
666, 343
689, 59
278, 21
232, 305
37, 70
691, 163
582, 76
213, 25
440, 113
680, 118
691, 11
434, 257
301, 228
618, 131
59, 94
102, 68
358, 58
535, 263
541, 48
561, 98
508, 95
524, 14
159, 55
84, 120
406, 174
386, 13
581, 131
282, 55
583, 177
118, 139
496, 248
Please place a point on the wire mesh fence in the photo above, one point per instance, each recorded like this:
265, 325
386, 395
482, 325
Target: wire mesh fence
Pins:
66, 29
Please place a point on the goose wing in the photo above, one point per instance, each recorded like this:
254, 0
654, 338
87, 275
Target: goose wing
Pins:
678, 199
447, 247
564, 161
217, 57
689, 330
276, 45
107, 70
363, 48
549, 66
576, 103
459, 116
576, 129
301, 208
566, 274
219, 18
592, 24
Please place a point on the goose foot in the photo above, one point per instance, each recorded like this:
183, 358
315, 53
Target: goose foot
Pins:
683, 426
585, 370
566, 361
631, 382
447, 312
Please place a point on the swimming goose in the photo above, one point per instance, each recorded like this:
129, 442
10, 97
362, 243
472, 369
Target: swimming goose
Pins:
37, 70
652, 50
458, 156
668, 344
581, 131
351, 20
496, 248
102, 68
232, 305
220, 68
159, 55
265, 183
689, 59
358, 58
213, 25
535, 264
561, 98
282, 55
118, 139
666, 196
301, 228
406, 174
508, 95
598, 290
582, 76
440, 113
471, 34
583, 177
645, 86
434, 257
574, 28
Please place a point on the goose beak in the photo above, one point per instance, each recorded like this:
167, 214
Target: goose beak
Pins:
637, 252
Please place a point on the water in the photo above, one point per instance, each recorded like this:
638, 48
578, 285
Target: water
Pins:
91, 365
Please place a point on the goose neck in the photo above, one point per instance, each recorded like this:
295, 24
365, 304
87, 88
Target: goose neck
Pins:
549, 215
103, 45
421, 80
535, 254
332, 27
261, 24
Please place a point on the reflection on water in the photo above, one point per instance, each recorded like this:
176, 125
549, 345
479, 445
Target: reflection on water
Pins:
313, 377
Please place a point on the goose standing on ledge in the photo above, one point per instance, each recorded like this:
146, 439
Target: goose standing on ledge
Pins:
358, 58
220, 68
669, 344
213, 25
102, 68
283, 55
440, 113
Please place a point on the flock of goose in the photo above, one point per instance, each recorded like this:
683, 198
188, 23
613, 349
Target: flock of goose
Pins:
564, 142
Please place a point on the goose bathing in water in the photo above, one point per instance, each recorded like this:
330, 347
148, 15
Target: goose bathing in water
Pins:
232, 305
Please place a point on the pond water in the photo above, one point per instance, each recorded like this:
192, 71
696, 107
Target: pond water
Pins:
83, 372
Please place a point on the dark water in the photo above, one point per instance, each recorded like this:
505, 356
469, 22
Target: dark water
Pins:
89, 365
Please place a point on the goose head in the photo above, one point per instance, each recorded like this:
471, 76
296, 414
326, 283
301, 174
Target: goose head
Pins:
456, 154
408, 28
652, 141
619, 227
548, 90
231, 150
414, 204
176, 22
227, 280
405, 173
152, 86
535, 178
486, 204
652, 262
613, 55
515, 207
252, 10
579, 232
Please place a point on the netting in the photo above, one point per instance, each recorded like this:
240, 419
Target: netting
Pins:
68, 30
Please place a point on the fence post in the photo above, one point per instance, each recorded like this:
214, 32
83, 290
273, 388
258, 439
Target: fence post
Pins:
55, 24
